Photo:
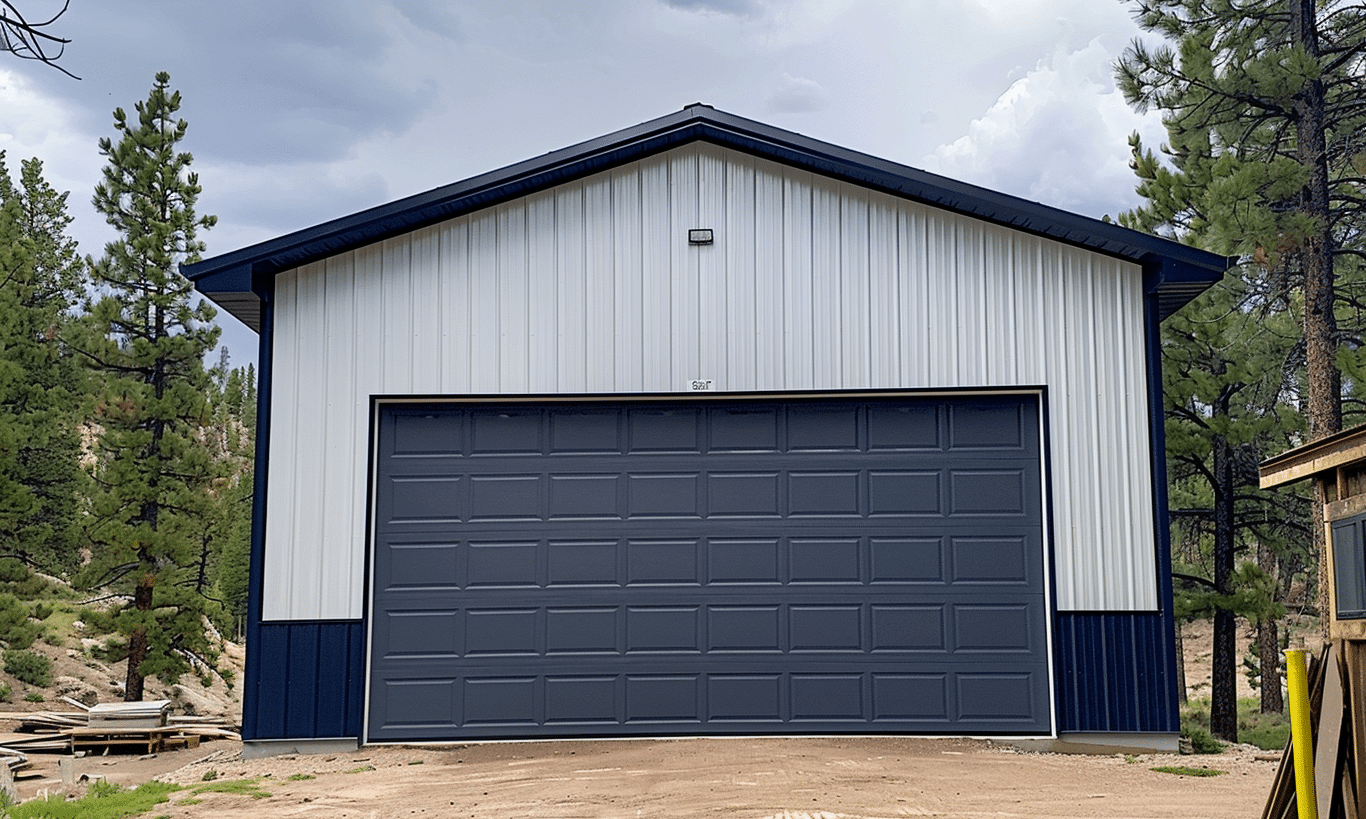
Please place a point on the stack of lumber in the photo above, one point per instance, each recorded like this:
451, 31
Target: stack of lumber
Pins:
1337, 707
121, 716
107, 725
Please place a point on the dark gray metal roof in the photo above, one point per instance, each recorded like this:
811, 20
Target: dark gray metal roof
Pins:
1177, 273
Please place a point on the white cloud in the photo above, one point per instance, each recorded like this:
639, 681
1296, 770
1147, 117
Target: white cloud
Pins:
737, 8
34, 124
798, 95
1058, 135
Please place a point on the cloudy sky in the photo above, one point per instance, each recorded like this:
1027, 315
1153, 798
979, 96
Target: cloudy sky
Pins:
308, 110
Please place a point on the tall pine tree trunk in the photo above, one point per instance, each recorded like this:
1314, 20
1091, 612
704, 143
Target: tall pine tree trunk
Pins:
1269, 644
1324, 404
137, 642
1223, 715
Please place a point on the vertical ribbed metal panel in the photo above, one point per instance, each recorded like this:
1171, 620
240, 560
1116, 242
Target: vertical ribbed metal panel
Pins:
811, 284
1115, 673
312, 681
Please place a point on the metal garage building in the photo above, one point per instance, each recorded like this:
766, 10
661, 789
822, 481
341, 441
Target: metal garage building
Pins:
704, 427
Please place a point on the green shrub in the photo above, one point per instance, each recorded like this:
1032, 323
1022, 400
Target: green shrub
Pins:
35, 696
28, 667
1195, 728
41, 611
16, 629
19, 580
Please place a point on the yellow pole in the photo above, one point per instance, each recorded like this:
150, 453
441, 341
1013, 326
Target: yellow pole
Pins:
1301, 733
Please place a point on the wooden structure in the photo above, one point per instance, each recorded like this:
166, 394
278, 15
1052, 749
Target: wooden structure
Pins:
1337, 465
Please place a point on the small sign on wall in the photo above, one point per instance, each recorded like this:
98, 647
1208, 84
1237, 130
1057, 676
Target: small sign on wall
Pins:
701, 385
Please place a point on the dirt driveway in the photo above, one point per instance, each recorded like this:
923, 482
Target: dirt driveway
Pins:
829, 778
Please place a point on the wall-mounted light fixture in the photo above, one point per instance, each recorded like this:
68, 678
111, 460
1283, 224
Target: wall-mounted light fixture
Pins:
699, 236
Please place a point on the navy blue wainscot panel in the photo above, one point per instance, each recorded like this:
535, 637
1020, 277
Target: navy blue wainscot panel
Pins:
311, 681
1115, 673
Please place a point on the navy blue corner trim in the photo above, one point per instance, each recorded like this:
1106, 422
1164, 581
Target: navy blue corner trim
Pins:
1157, 425
232, 278
252, 674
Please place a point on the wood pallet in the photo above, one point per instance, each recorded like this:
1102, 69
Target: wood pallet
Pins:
146, 740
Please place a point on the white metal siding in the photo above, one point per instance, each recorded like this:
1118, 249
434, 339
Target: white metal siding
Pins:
811, 284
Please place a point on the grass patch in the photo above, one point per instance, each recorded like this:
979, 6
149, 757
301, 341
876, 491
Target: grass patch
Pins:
1270, 732
300, 777
241, 787
1181, 770
104, 801
362, 769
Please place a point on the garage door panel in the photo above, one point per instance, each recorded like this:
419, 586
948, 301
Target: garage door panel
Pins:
824, 494
583, 563
1009, 558
743, 428
584, 701
709, 568
585, 431
510, 430
824, 561
989, 492
751, 561
903, 427
583, 630
824, 429
960, 626
995, 427
587, 703
662, 562
745, 629
673, 430
677, 495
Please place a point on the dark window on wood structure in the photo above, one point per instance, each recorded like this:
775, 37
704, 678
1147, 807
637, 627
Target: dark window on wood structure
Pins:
1349, 567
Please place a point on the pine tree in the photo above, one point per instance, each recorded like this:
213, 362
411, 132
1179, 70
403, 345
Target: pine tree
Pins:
1272, 95
1225, 362
1261, 101
149, 340
40, 279
227, 557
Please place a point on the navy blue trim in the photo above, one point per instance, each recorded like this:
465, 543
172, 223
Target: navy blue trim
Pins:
230, 279
252, 673
1157, 432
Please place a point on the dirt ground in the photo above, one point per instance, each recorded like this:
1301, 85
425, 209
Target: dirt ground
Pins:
829, 778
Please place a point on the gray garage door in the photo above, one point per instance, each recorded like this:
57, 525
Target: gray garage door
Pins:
718, 567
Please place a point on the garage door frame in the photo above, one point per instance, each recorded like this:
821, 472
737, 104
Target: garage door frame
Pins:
380, 403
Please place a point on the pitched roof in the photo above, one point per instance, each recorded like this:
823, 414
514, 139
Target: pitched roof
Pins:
1177, 273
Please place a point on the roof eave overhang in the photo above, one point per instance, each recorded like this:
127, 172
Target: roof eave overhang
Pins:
1174, 273
1314, 458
